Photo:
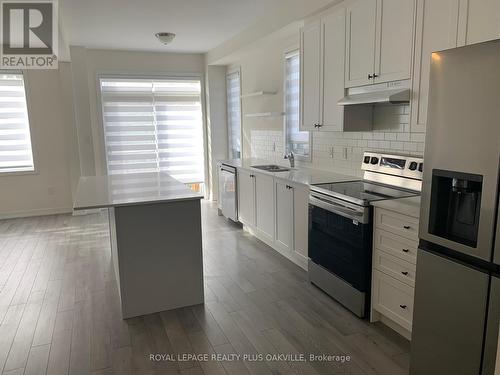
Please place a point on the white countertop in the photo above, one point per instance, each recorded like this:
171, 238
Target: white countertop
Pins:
128, 190
300, 175
409, 206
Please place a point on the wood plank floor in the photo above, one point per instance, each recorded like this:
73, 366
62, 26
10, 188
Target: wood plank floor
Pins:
60, 314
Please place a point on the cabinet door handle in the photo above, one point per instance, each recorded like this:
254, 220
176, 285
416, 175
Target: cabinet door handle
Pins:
402, 306
370, 76
406, 250
252, 176
404, 273
319, 125
375, 75
406, 226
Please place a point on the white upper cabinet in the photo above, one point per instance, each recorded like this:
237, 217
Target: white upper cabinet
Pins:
394, 40
333, 33
322, 72
310, 75
479, 21
436, 30
444, 24
379, 41
360, 42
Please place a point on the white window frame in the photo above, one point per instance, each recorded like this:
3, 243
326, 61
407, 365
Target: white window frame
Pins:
295, 49
159, 76
229, 148
28, 110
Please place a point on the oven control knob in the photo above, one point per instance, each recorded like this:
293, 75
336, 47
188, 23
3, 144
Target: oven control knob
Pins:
413, 166
420, 167
374, 160
366, 159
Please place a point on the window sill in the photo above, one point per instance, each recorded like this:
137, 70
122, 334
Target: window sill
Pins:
18, 173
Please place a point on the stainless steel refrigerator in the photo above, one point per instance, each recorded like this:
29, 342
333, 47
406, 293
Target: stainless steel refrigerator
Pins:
457, 292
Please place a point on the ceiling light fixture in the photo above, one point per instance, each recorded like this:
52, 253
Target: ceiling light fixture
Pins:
165, 37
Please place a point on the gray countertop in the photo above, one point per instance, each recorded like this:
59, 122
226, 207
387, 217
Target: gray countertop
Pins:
127, 190
409, 206
309, 176
300, 175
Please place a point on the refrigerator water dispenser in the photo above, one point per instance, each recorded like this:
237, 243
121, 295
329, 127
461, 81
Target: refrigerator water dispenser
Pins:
455, 206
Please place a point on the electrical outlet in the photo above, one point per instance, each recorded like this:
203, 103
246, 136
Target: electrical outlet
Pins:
344, 153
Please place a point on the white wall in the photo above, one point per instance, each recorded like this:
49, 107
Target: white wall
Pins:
262, 69
68, 102
216, 122
48, 189
88, 63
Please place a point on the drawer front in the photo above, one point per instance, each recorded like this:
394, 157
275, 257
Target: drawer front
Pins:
393, 299
393, 222
395, 267
398, 246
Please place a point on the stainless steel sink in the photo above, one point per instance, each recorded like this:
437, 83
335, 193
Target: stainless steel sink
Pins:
271, 168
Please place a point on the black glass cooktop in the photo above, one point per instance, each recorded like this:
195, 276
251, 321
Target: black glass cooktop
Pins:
361, 192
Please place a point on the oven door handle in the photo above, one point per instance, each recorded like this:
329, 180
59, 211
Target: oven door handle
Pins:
338, 208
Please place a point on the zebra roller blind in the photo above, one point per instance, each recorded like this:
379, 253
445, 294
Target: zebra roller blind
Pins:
15, 141
296, 141
153, 125
234, 114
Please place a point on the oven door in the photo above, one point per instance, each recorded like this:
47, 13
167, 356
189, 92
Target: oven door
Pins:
340, 238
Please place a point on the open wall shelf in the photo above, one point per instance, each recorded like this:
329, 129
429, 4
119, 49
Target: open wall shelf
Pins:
258, 93
265, 114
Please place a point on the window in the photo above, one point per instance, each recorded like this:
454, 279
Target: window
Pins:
15, 140
296, 141
234, 114
153, 125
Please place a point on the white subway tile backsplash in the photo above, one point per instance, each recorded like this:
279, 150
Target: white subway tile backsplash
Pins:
391, 133
417, 137
403, 137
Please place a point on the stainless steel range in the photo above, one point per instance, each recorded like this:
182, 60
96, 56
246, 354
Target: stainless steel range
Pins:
340, 225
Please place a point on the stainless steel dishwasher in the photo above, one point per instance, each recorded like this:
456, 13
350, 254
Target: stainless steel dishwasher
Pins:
228, 199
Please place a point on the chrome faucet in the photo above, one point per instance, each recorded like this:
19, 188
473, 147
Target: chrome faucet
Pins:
291, 159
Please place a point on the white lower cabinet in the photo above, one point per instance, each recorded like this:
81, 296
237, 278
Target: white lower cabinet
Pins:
292, 213
264, 206
395, 237
246, 197
284, 216
301, 224
276, 211
393, 299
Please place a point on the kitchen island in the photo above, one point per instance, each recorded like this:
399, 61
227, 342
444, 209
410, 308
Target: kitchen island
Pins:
156, 239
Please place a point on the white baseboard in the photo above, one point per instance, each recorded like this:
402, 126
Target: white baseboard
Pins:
87, 212
36, 212
298, 259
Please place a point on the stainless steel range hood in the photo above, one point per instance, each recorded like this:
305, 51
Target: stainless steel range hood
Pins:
396, 92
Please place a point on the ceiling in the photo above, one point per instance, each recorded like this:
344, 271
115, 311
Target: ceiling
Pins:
200, 25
